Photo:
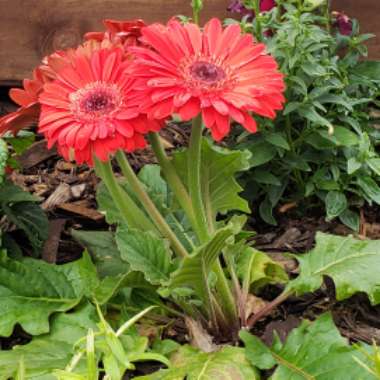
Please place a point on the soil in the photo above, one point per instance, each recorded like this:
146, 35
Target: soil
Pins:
67, 194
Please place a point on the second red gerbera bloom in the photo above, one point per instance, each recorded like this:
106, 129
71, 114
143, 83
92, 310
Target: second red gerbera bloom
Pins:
27, 99
221, 73
85, 110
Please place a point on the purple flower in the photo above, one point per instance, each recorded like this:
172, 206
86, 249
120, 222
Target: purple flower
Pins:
237, 6
343, 23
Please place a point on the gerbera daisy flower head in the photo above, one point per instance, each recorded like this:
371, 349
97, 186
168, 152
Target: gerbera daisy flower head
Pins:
27, 99
27, 96
126, 33
85, 110
221, 73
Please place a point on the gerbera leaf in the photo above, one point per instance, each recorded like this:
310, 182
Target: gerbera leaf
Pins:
194, 269
352, 264
146, 253
313, 351
228, 363
257, 269
157, 188
51, 351
219, 188
104, 252
31, 219
31, 290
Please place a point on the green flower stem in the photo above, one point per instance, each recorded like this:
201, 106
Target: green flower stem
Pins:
197, 5
173, 179
296, 172
129, 211
256, 8
227, 299
176, 185
149, 206
195, 188
194, 178
240, 300
328, 16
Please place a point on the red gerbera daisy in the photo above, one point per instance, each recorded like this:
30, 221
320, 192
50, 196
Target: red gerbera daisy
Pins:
27, 98
126, 33
221, 73
85, 110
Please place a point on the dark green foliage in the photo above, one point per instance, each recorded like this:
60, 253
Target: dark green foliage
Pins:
20, 209
322, 147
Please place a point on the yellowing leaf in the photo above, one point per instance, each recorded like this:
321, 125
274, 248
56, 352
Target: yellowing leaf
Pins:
229, 363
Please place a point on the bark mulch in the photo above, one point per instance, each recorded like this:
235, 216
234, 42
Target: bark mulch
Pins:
67, 193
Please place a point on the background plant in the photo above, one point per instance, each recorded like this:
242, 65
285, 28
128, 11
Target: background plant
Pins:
322, 147
19, 209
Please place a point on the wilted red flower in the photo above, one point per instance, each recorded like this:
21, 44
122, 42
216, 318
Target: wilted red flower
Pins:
85, 110
27, 98
221, 73
343, 23
126, 33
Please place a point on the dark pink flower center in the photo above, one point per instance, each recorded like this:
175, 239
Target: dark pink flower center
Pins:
96, 100
206, 72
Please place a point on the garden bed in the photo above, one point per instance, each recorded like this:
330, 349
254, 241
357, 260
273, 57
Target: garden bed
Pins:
185, 202
356, 319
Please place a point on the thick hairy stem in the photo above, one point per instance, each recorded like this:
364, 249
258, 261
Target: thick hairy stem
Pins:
193, 205
194, 177
240, 298
171, 176
149, 206
194, 181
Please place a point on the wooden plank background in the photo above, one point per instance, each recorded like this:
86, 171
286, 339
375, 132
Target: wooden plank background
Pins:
368, 14
30, 29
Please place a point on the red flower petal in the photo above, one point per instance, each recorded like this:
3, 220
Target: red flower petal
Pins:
250, 124
190, 109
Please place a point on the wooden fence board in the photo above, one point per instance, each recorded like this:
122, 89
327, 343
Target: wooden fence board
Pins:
368, 14
29, 29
